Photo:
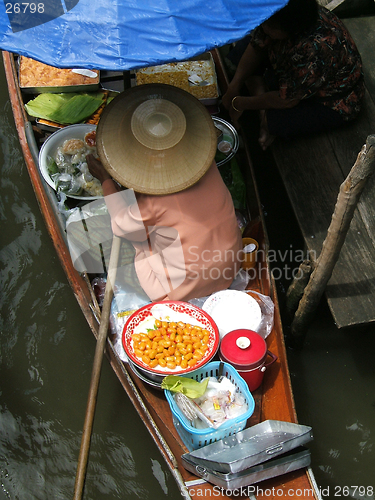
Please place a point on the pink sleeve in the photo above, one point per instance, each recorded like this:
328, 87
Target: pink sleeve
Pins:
126, 218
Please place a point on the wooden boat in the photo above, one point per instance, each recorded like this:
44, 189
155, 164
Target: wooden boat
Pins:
274, 400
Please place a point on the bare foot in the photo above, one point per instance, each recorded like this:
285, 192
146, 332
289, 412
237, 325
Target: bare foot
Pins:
265, 139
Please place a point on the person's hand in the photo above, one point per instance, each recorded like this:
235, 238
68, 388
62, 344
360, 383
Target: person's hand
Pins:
96, 168
228, 97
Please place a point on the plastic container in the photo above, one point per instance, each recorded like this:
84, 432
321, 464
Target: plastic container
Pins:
196, 438
249, 258
247, 352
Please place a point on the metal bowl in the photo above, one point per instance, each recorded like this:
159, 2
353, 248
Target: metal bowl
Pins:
228, 142
49, 148
149, 381
143, 317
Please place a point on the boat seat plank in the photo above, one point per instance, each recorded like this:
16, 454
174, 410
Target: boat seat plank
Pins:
346, 144
312, 170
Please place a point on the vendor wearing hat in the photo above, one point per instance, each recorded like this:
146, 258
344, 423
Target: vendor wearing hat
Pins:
160, 141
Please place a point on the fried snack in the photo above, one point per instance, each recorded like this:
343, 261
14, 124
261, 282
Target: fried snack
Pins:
176, 78
36, 74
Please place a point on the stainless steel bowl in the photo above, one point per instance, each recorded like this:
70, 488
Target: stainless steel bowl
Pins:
230, 134
138, 372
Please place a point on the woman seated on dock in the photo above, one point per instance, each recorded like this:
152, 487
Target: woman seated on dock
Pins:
302, 71
160, 141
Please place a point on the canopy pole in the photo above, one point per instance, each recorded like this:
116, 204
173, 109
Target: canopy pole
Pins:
347, 200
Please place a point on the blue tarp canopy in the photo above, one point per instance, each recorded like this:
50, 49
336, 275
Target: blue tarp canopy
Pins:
125, 34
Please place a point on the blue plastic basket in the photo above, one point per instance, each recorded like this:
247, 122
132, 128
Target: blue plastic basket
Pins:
196, 438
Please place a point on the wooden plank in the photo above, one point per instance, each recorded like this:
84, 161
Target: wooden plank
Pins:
311, 175
346, 143
312, 172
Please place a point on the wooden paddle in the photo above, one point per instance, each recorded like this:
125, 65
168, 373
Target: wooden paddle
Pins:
96, 369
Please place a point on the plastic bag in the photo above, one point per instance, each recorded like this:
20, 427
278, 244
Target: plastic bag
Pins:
268, 308
62, 208
123, 305
240, 281
221, 401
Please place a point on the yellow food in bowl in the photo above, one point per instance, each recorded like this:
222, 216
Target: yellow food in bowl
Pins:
171, 344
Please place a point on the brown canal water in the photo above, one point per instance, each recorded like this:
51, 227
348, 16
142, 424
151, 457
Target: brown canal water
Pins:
46, 354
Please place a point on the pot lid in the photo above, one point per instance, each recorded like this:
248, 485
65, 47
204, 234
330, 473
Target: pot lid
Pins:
243, 349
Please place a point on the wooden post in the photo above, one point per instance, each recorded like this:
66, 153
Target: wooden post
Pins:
297, 287
350, 191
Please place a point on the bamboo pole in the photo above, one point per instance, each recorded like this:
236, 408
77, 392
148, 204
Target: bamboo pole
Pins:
96, 369
349, 194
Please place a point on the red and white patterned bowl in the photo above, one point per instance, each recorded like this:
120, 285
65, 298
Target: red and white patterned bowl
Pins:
143, 315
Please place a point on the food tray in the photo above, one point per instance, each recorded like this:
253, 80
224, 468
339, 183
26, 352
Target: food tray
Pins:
36, 77
251, 446
291, 461
196, 438
178, 74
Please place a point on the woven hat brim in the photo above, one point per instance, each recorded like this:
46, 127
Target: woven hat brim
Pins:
153, 171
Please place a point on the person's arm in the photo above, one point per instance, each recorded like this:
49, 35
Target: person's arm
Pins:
126, 218
97, 170
249, 63
268, 100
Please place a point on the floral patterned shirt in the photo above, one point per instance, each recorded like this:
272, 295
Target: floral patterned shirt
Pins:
323, 63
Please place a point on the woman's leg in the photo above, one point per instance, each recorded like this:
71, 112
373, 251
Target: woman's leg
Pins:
308, 117
256, 85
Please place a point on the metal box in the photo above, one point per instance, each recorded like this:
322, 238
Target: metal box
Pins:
251, 446
288, 462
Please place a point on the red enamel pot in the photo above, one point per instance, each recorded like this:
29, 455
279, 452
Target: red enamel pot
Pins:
246, 351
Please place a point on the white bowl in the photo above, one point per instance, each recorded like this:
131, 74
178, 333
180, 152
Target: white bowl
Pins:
49, 148
233, 310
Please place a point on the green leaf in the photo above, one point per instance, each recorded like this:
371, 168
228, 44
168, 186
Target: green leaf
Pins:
66, 108
238, 188
51, 166
233, 179
188, 386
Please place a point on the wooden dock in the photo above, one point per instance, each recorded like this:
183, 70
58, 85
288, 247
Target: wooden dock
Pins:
312, 170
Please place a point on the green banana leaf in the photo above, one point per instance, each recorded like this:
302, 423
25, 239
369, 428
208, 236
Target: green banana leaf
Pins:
188, 386
65, 109
234, 180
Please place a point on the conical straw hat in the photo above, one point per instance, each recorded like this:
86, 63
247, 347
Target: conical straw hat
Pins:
156, 139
